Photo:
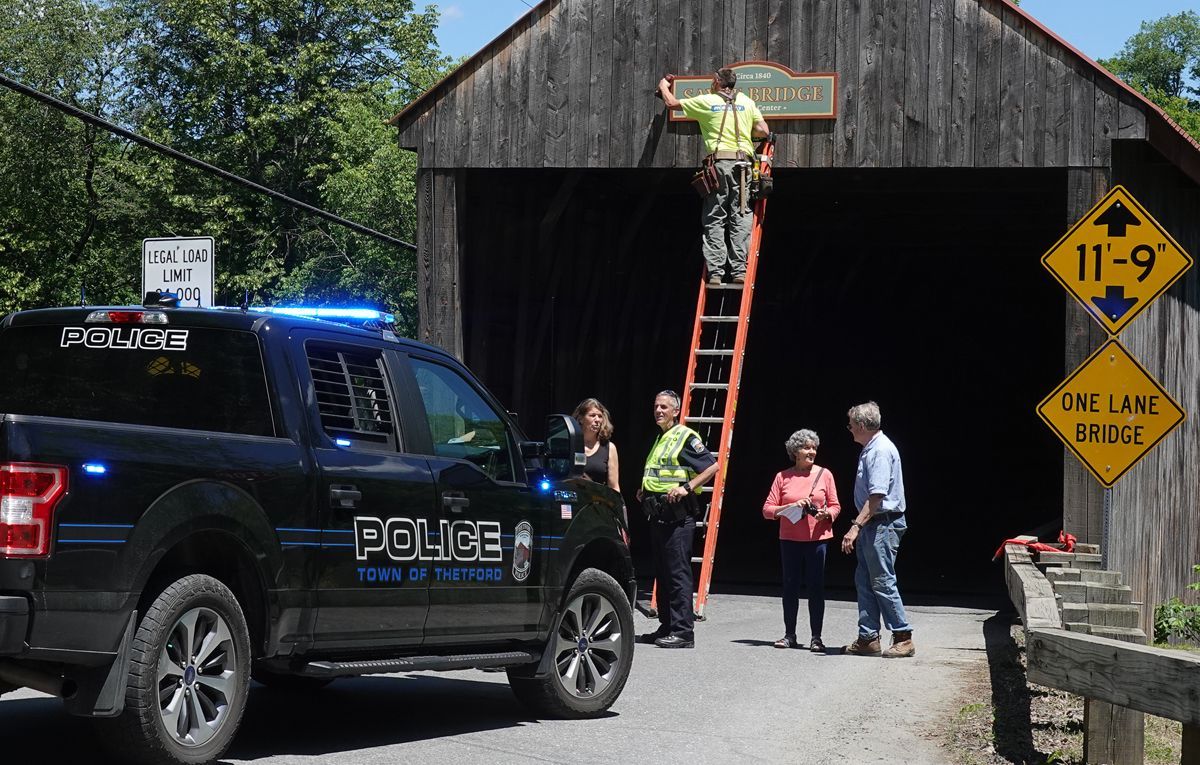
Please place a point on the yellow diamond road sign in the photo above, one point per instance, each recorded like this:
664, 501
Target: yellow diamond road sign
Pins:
1116, 260
1110, 412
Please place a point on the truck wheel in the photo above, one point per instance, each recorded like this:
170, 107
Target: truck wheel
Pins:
285, 681
592, 647
189, 674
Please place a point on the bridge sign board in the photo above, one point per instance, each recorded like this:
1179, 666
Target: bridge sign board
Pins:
780, 93
1116, 260
1110, 412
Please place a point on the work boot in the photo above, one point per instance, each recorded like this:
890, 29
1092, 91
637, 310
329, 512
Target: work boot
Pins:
739, 279
864, 647
902, 646
714, 279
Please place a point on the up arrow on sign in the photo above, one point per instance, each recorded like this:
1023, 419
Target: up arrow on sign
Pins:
183, 265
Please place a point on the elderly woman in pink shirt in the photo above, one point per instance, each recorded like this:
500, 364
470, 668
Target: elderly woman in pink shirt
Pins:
803, 499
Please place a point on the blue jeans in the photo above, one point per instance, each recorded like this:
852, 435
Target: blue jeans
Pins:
803, 569
875, 578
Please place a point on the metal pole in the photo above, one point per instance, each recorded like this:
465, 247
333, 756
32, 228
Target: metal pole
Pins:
1107, 529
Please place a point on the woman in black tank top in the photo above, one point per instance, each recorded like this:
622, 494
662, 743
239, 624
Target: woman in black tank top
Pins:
601, 452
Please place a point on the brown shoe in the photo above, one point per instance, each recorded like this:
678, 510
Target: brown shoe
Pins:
902, 646
864, 647
714, 279
739, 279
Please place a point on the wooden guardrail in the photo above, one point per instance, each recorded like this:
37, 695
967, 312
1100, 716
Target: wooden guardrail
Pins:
1157, 681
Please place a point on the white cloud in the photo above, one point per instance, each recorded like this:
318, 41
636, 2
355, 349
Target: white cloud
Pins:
451, 13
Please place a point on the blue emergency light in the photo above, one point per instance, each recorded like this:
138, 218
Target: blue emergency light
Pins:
94, 468
544, 485
324, 312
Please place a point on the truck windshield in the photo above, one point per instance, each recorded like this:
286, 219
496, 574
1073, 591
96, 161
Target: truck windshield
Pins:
199, 379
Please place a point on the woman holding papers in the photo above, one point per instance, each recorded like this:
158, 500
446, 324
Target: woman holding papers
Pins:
804, 500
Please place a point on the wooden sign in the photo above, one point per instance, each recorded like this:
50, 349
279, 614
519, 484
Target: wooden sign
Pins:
780, 93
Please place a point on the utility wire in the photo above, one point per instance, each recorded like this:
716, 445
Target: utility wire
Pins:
77, 113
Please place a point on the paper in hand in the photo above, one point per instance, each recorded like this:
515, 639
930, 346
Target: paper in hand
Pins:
793, 513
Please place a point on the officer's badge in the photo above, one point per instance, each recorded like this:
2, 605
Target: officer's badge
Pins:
522, 551
697, 445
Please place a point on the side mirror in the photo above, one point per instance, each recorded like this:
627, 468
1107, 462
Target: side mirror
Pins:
564, 446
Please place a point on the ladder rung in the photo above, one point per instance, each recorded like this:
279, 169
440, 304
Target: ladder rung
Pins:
708, 386
706, 489
729, 319
698, 560
705, 419
701, 524
724, 286
714, 353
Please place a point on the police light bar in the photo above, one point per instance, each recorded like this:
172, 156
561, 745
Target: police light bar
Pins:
332, 314
126, 317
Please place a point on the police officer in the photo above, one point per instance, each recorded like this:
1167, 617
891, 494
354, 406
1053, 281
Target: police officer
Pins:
676, 468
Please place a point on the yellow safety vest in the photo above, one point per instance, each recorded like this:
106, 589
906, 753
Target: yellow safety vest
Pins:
663, 471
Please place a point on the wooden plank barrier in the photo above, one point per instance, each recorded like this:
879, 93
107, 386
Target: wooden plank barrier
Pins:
1120, 680
1158, 681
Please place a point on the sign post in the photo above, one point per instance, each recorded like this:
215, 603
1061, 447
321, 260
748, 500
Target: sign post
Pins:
1110, 411
180, 265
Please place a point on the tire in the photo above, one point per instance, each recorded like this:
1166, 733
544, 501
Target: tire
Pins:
287, 682
192, 637
593, 646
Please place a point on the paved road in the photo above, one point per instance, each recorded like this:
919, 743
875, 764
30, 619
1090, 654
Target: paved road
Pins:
732, 699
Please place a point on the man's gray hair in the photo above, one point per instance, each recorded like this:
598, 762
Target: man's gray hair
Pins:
671, 395
866, 415
799, 439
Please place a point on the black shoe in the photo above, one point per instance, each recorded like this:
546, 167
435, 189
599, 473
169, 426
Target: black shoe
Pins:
649, 637
674, 641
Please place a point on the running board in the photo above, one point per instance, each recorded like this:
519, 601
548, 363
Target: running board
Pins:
418, 664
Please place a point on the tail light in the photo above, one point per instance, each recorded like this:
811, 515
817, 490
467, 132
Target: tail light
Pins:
28, 495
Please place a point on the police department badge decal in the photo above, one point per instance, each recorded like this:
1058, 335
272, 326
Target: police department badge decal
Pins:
522, 551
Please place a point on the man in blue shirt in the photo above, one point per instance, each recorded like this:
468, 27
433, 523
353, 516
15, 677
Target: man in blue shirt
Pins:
879, 497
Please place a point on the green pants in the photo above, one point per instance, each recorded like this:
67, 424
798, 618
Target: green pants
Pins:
726, 227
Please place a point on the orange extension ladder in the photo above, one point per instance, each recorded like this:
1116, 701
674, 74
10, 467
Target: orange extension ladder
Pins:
714, 374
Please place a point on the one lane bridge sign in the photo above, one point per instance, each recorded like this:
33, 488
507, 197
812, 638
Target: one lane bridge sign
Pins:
1116, 260
183, 265
1110, 412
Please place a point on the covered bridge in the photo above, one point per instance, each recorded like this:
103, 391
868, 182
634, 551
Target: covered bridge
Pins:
559, 256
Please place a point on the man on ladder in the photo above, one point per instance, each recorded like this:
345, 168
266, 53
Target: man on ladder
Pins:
726, 213
677, 468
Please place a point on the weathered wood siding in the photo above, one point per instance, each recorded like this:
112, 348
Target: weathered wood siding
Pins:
1155, 528
923, 83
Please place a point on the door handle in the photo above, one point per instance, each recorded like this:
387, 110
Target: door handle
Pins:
455, 500
344, 497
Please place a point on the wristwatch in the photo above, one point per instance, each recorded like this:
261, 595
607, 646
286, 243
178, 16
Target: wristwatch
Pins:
856, 525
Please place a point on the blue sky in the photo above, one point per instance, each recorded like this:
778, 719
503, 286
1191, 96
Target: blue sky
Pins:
1098, 28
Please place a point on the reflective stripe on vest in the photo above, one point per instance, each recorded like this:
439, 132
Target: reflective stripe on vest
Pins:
663, 471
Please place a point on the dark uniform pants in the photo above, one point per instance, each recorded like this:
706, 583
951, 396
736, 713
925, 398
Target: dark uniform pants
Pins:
673, 570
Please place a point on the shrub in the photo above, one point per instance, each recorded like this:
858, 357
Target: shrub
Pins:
1176, 619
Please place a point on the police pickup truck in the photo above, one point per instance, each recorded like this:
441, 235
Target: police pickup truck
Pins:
190, 498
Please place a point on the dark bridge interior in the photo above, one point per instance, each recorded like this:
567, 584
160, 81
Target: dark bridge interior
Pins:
920, 289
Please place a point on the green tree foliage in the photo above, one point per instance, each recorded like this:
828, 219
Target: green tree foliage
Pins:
1163, 62
292, 94
61, 206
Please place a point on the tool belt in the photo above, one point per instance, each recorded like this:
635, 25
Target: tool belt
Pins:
657, 508
719, 155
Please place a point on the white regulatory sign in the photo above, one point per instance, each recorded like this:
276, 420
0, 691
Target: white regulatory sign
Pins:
183, 265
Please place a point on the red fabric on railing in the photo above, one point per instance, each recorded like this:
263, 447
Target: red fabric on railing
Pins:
1066, 543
